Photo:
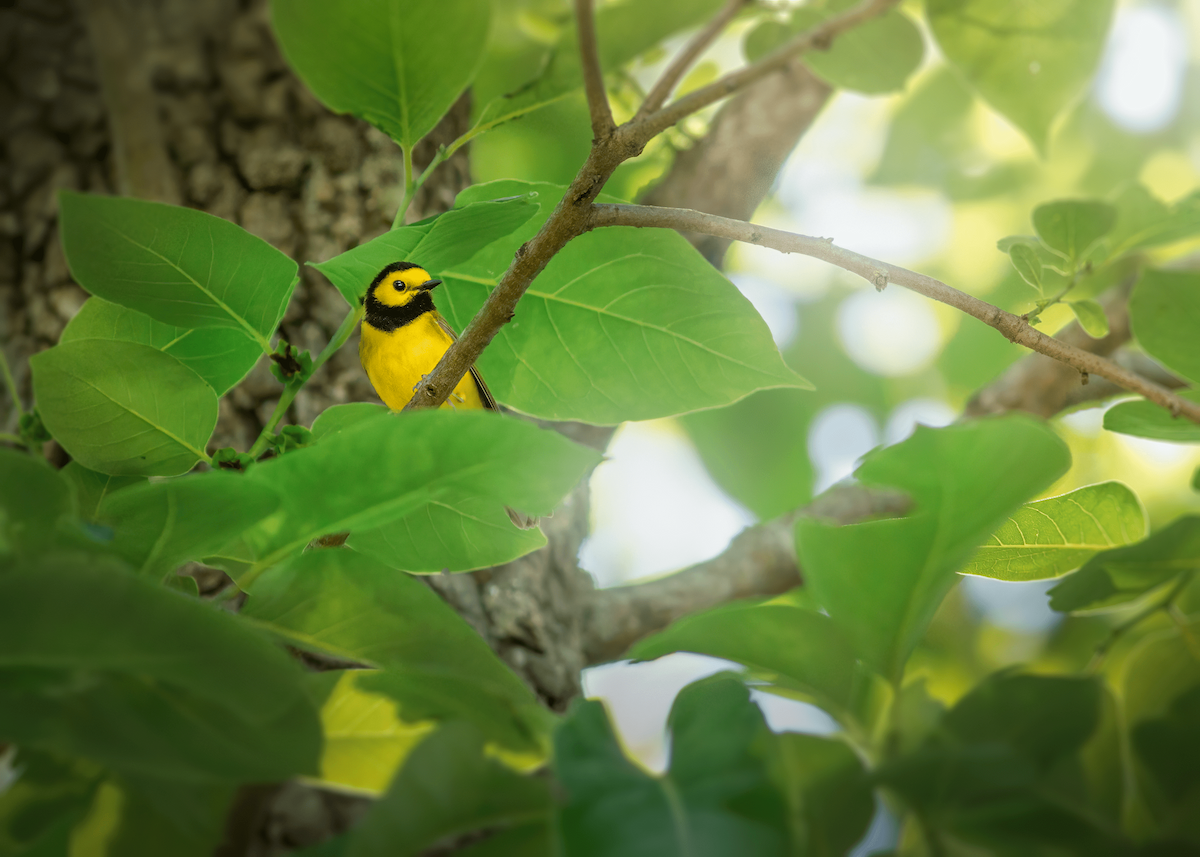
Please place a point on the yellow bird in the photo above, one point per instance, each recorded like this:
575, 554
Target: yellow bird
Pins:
404, 337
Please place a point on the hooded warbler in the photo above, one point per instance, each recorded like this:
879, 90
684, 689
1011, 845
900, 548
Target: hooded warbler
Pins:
404, 337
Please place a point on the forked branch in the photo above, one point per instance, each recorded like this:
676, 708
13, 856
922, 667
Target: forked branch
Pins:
572, 216
881, 274
691, 52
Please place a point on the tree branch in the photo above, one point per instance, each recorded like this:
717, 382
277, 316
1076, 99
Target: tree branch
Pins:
818, 38
880, 274
760, 561
572, 216
690, 53
593, 74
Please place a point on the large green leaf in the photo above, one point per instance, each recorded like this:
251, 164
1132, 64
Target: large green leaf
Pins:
103, 664
161, 525
1143, 418
1119, 576
180, 266
1165, 314
799, 649
1029, 59
398, 64
220, 355
377, 471
435, 244
623, 32
122, 408
874, 57
449, 788
433, 663
622, 324
881, 581
457, 533
1056, 535
717, 797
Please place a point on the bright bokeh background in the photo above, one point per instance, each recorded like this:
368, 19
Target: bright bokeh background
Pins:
657, 509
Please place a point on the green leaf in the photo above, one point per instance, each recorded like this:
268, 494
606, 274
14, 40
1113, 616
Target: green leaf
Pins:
1026, 58
221, 356
459, 533
622, 324
828, 792
1073, 226
881, 581
624, 31
366, 741
378, 471
122, 408
158, 816
1144, 221
333, 419
102, 664
35, 503
1146, 419
448, 788
1027, 263
161, 525
1168, 747
1164, 311
1121, 575
1160, 692
875, 57
1091, 318
435, 244
801, 650
92, 488
433, 663
989, 773
1056, 535
177, 265
757, 449
398, 65
716, 798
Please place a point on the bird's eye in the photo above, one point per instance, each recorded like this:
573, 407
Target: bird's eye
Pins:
399, 285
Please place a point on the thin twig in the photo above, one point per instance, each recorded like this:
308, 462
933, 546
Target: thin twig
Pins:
880, 274
691, 52
10, 384
818, 38
593, 74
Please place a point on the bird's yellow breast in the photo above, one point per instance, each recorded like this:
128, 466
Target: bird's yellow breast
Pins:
396, 361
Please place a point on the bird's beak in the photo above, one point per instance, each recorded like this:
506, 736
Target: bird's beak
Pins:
429, 284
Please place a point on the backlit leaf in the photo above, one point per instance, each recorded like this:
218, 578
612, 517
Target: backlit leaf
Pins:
1165, 314
1029, 59
1053, 536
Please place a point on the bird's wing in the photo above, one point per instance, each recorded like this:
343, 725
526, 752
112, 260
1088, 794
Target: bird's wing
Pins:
489, 401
